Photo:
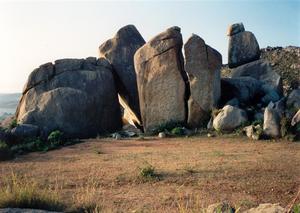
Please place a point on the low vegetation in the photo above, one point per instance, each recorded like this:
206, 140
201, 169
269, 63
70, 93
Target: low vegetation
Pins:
21, 192
165, 175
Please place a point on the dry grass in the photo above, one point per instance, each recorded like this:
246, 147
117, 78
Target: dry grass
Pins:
102, 174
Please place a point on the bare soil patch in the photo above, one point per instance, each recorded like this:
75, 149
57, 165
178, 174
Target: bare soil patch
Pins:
192, 173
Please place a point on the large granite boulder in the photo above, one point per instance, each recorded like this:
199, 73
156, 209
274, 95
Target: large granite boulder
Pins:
271, 127
119, 51
243, 48
80, 101
245, 89
229, 118
260, 70
203, 64
161, 80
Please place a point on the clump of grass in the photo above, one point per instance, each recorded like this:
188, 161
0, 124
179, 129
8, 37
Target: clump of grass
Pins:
178, 131
296, 208
18, 192
86, 198
147, 173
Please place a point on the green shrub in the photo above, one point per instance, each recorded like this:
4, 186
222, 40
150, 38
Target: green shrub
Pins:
296, 208
178, 131
168, 126
13, 124
5, 152
17, 192
147, 173
56, 138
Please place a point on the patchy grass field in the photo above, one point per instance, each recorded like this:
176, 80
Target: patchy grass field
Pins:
163, 175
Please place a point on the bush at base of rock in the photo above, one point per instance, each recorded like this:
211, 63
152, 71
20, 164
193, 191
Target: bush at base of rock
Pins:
5, 152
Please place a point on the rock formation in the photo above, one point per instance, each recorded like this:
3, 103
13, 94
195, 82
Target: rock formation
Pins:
202, 64
161, 80
119, 51
260, 70
243, 46
75, 96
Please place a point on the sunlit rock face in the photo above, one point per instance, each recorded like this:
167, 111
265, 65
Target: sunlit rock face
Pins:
75, 96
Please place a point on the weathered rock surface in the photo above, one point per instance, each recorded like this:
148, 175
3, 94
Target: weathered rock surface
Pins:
245, 89
80, 101
296, 118
235, 28
243, 48
161, 80
25, 131
267, 208
229, 118
203, 64
271, 126
119, 51
260, 70
293, 101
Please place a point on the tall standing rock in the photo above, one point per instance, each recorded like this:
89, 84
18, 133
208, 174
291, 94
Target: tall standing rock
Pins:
203, 64
243, 46
119, 51
161, 80
78, 99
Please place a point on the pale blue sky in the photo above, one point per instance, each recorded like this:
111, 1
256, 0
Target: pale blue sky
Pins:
33, 33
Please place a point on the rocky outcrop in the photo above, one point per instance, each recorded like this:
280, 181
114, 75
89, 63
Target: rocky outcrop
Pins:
161, 80
77, 97
202, 64
262, 71
243, 46
229, 118
119, 51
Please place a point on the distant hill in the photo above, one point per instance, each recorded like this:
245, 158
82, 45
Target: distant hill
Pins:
8, 104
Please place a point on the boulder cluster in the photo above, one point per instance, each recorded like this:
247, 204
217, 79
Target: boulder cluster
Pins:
156, 82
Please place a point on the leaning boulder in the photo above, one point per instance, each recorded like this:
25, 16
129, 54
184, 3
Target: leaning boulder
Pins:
262, 71
229, 118
119, 51
271, 127
243, 48
80, 101
161, 80
203, 64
